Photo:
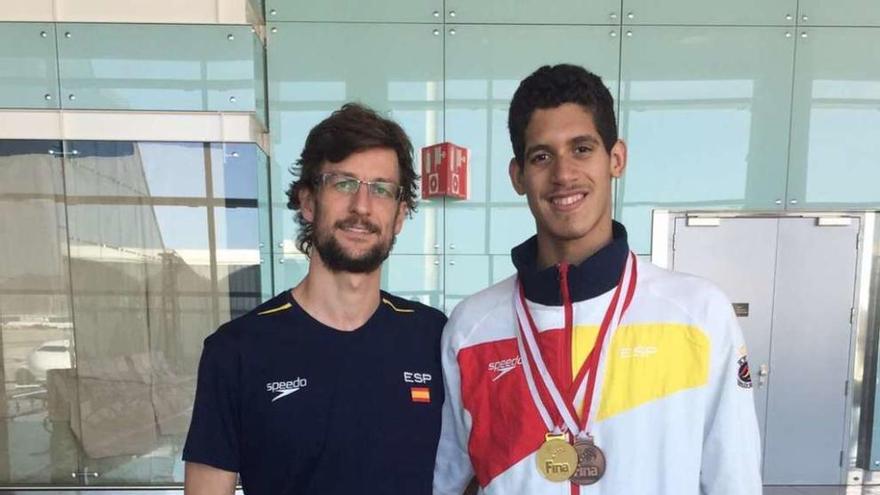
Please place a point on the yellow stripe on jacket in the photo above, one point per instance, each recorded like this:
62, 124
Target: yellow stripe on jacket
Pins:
645, 362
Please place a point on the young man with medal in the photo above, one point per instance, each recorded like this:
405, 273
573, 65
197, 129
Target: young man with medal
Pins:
590, 371
333, 387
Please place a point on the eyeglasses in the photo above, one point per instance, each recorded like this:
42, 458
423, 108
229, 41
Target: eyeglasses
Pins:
349, 186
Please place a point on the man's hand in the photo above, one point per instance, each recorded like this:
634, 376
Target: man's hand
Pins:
201, 479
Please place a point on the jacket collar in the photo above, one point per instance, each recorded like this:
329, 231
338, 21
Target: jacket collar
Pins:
594, 276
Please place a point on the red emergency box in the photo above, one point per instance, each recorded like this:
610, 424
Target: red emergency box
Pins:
445, 171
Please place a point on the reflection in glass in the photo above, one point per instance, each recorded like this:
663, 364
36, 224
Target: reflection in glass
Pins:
534, 12
466, 275
833, 130
355, 10
502, 267
36, 329
415, 277
834, 147
481, 79
290, 269
258, 52
697, 12
128, 255
29, 68
841, 13
702, 134
305, 85
160, 67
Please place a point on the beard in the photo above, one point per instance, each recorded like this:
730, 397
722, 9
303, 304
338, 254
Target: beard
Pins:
337, 259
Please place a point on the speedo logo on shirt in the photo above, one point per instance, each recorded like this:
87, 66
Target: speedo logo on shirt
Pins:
283, 389
503, 367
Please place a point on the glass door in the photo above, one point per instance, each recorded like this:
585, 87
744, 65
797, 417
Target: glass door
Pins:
36, 326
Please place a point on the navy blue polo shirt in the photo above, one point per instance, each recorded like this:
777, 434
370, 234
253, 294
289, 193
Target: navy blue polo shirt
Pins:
297, 407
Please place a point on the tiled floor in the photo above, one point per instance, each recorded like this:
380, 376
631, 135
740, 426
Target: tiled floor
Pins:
822, 490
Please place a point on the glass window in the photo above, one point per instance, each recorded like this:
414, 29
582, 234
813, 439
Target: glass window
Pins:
533, 12
306, 85
697, 12
36, 325
159, 67
356, 10
127, 255
703, 134
28, 66
481, 77
834, 147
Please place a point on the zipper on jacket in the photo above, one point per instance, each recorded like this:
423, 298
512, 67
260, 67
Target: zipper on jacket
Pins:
566, 371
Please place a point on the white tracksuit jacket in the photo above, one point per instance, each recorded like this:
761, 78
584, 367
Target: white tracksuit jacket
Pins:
676, 414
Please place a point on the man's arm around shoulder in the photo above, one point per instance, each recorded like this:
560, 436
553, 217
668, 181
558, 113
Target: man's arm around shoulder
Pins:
202, 479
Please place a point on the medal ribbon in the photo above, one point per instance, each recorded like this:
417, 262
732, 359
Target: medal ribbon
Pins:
591, 365
531, 355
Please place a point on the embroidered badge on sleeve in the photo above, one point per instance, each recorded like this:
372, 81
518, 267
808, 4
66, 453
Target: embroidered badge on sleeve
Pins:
743, 377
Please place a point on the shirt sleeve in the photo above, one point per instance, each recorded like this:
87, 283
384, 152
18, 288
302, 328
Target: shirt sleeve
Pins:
731, 443
453, 469
213, 437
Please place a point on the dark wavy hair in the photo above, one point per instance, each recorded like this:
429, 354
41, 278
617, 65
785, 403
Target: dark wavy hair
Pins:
552, 86
351, 129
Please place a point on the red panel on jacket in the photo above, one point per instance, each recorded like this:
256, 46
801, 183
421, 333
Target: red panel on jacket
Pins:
506, 424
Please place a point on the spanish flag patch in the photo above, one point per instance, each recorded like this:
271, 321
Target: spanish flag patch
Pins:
420, 394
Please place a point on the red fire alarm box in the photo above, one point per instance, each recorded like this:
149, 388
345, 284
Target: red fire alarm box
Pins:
445, 171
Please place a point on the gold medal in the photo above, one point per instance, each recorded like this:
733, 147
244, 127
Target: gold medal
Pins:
556, 459
590, 462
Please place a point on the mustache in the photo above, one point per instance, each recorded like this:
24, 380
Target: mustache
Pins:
357, 223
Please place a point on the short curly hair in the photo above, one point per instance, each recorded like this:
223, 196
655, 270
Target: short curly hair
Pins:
552, 86
349, 130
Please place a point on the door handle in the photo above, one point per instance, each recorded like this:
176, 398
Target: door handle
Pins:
763, 371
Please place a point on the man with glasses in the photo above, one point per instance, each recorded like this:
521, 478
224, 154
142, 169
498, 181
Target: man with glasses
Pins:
333, 387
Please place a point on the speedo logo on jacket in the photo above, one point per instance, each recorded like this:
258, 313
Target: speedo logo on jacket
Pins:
285, 388
504, 366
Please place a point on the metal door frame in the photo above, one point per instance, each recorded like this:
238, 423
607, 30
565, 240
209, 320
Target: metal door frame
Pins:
661, 255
